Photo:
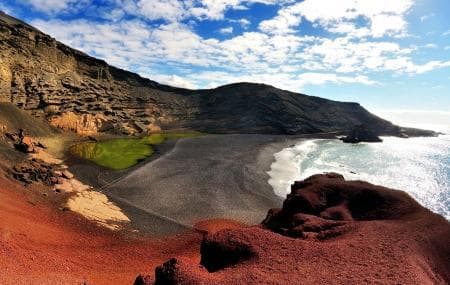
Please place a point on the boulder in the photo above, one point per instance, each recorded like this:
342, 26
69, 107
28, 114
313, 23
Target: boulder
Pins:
361, 133
26, 145
143, 280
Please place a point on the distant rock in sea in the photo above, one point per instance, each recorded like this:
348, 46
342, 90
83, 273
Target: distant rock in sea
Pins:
329, 231
361, 133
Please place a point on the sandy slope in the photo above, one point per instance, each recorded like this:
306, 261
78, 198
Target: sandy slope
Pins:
42, 245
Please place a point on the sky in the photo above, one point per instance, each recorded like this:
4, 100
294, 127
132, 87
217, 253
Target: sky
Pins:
389, 55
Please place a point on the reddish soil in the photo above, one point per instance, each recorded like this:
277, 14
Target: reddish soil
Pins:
329, 231
214, 225
42, 245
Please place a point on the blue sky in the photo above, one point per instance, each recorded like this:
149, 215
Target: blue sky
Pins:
385, 54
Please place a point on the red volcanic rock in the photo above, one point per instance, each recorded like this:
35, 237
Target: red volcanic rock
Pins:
326, 203
329, 231
143, 280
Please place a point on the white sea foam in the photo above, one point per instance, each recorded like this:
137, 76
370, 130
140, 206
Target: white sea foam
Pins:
286, 168
419, 166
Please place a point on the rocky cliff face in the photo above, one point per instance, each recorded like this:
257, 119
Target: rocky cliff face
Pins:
49, 80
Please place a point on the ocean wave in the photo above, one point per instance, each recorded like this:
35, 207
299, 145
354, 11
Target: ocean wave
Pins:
287, 166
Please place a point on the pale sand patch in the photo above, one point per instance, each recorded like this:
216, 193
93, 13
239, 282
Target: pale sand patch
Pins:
72, 185
95, 206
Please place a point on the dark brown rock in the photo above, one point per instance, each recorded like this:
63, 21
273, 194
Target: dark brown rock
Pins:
361, 133
143, 280
36, 170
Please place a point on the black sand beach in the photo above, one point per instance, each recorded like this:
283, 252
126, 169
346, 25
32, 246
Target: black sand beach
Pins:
215, 176
209, 177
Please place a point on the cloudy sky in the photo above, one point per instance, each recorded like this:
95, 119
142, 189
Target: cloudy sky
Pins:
386, 54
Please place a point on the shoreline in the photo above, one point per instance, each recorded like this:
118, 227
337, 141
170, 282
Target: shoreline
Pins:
364, 162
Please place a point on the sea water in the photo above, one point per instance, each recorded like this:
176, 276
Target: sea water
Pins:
419, 166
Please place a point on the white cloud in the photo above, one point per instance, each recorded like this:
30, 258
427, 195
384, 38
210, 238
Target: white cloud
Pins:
426, 17
283, 23
323, 78
243, 22
349, 29
447, 33
227, 30
172, 80
174, 10
161, 9
55, 6
385, 17
384, 24
404, 64
213, 79
275, 54
431, 45
215, 9
5, 9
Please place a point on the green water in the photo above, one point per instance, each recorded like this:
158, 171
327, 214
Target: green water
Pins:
123, 153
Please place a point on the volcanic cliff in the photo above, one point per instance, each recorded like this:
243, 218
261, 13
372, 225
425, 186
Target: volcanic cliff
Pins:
77, 92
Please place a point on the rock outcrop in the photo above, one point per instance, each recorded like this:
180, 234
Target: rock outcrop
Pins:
22, 142
53, 81
82, 124
361, 133
36, 170
329, 231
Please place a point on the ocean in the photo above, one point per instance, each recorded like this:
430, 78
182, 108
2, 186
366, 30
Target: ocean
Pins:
418, 166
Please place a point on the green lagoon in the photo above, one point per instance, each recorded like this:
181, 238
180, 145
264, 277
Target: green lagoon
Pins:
123, 153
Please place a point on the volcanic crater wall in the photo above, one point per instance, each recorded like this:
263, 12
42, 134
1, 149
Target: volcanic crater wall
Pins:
80, 93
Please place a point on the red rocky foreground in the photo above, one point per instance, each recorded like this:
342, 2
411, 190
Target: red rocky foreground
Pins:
329, 231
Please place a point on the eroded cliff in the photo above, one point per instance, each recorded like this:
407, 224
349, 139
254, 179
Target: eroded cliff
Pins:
84, 94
